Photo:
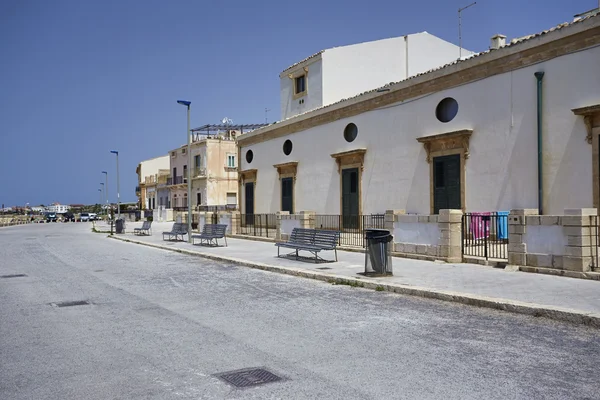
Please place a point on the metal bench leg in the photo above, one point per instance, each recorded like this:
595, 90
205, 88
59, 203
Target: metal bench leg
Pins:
225, 237
336, 254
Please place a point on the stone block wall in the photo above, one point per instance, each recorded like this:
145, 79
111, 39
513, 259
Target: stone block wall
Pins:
429, 237
564, 242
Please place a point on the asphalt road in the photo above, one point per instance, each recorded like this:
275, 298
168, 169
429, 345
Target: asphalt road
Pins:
161, 324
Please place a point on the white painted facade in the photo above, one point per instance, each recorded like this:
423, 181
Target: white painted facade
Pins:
343, 72
58, 208
501, 171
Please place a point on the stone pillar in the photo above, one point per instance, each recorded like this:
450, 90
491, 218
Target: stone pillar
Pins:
236, 220
579, 227
390, 218
278, 233
307, 219
449, 224
517, 227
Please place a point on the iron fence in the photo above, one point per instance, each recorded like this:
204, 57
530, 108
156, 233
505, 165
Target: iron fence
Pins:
594, 243
485, 235
351, 227
264, 225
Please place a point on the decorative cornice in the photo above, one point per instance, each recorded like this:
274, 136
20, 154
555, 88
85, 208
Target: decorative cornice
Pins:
247, 175
356, 156
588, 114
447, 141
287, 168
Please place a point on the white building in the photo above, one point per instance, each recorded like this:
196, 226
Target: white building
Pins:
461, 136
342, 72
58, 208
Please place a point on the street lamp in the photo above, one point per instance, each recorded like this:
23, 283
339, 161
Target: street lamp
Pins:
189, 168
103, 194
100, 190
106, 188
118, 189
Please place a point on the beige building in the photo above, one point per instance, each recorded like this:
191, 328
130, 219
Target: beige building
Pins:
214, 168
148, 172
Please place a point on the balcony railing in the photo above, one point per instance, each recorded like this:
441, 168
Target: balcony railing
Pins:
175, 180
198, 173
150, 179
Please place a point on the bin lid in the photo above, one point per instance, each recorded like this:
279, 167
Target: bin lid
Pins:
376, 233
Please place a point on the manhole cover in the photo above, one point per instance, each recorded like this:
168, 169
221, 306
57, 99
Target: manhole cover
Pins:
248, 377
71, 303
13, 276
324, 268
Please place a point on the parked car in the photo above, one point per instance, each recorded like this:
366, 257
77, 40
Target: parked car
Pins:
51, 217
93, 217
69, 216
84, 217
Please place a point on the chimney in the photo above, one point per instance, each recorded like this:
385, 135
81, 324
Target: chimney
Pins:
497, 41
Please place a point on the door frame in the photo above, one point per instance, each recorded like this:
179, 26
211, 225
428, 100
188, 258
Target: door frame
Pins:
461, 179
348, 160
287, 170
247, 176
447, 144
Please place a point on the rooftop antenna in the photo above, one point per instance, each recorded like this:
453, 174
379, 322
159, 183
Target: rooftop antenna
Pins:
460, 10
268, 109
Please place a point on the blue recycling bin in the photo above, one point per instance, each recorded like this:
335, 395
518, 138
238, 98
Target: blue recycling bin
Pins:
502, 224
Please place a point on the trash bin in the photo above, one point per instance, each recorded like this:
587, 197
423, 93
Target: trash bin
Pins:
120, 225
378, 258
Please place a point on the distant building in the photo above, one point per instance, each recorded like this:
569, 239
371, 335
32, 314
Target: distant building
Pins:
148, 172
58, 208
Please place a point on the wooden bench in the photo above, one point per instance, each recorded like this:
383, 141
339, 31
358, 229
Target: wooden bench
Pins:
146, 229
210, 233
311, 240
179, 229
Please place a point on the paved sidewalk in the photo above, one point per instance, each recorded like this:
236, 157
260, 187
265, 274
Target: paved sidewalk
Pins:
576, 300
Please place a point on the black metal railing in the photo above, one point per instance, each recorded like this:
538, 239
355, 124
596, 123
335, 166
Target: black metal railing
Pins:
226, 207
351, 227
175, 180
264, 225
594, 243
485, 235
180, 208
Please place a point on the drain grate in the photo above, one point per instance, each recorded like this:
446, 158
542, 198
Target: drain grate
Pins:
248, 377
13, 276
71, 303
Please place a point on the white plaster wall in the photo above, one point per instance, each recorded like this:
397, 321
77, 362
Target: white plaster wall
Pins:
351, 70
501, 172
426, 51
417, 233
313, 98
151, 167
545, 239
225, 219
287, 225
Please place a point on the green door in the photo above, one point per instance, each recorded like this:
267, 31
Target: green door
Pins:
446, 183
350, 198
287, 195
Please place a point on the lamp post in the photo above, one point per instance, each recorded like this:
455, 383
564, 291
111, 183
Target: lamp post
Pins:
189, 168
100, 190
106, 188
118, 189
103, 195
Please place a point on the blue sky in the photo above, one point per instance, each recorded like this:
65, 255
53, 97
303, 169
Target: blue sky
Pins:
80, 77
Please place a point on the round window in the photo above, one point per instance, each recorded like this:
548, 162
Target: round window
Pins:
350, 132
287, 147
249, 156
446, 110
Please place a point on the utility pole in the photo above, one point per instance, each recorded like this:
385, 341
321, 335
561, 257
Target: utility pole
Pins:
460, 10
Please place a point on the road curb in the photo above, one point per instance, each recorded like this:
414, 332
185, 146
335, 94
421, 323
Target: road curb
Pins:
536, 310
